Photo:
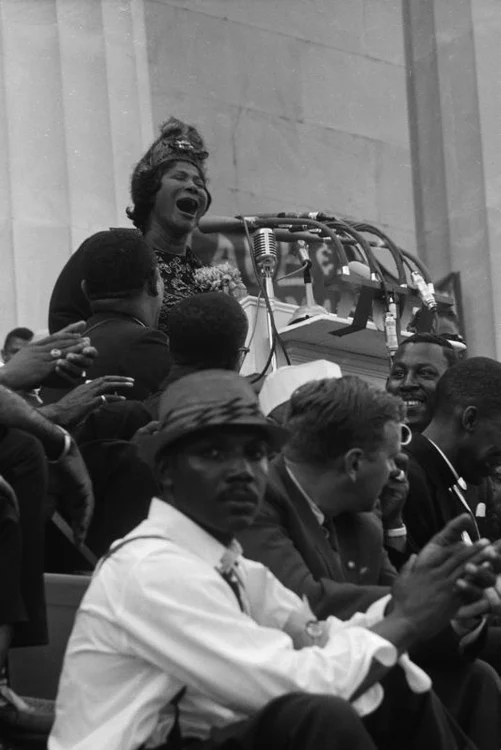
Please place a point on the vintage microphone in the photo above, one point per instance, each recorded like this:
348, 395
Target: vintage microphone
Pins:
264, 251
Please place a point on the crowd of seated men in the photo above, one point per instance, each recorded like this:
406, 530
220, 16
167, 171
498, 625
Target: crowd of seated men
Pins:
274, 565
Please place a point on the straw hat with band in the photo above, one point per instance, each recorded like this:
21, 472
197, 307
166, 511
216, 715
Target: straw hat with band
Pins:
197, 402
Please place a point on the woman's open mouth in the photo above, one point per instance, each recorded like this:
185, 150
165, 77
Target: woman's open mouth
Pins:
188, 206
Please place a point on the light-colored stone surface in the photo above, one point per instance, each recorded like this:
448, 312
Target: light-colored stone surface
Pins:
302, 103
487, 29
448, 139
73, 120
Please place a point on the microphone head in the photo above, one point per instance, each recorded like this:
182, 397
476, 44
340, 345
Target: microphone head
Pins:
264, 245
359, 269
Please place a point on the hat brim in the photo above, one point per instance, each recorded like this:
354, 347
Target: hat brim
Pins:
151, 445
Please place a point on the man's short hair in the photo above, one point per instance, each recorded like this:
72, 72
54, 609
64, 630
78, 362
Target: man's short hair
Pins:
117, 264
18, 333
473, 382
329, 417
207, 330
432, 338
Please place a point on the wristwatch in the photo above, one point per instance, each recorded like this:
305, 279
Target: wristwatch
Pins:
315, 629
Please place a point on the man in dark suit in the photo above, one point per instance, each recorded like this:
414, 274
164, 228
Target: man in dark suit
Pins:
317, 533
123, 285
461, 446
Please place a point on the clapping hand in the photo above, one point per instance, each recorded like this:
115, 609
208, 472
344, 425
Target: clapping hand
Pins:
66, 352
72, 408
487, 580
434, 585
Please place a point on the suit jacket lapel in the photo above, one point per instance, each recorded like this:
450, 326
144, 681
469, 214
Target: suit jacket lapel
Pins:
432, 462
312, 528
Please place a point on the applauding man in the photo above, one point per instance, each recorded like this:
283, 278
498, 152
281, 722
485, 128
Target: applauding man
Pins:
181, 641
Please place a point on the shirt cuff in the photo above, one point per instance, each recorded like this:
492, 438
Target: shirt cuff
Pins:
373, 614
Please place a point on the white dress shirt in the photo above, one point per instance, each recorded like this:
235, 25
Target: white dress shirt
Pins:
158, 617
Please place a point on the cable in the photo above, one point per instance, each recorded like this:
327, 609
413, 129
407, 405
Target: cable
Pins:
276, 337
292, 273
267, 364
394, 250
254, 327
417, 262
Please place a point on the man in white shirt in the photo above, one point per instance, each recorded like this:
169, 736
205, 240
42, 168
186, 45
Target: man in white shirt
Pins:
180, 637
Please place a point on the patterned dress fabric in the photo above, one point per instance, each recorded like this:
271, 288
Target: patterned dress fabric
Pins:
177, 272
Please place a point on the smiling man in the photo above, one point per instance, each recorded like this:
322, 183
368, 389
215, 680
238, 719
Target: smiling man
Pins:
181, 637
461, 445
419, 363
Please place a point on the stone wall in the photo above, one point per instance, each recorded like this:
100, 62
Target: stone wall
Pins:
303, 103
74, 115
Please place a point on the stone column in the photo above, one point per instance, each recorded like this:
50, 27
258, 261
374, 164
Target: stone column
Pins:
74, 117
447, 153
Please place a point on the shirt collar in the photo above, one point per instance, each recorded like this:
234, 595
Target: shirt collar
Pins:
457, 479
314, 507
182, 530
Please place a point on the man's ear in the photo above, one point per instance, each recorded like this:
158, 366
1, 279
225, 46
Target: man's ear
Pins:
153, 283
351, 461
163, 472
469, 419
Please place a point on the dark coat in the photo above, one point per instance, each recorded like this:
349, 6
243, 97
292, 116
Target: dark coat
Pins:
127, 348
340, 575
431, 502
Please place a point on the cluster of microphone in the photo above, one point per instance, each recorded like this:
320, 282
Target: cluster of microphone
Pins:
301, 228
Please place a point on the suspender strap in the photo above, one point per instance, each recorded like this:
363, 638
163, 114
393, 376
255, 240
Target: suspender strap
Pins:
175, 739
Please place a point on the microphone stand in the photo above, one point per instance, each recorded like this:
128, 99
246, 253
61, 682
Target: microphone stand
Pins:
269, 291
310, 309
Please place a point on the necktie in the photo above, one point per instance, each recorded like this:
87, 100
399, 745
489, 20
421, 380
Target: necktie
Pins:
232, 581
227, 571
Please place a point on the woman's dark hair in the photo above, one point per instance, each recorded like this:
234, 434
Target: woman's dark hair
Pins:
177, 142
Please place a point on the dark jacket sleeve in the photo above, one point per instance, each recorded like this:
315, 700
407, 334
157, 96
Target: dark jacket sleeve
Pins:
148, 361
419, 513
388, 571
68, 303
268, 542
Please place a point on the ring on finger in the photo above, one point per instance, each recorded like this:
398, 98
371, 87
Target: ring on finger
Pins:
103, 399
56, 353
